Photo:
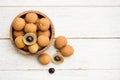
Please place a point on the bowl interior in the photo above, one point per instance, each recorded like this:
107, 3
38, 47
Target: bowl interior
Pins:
40, 15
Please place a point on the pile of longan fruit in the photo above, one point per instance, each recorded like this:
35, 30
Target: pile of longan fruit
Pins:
65, 50
31, 33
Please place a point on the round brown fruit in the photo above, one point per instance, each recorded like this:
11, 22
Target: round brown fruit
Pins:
18, 24
31, 17
30, 28
33, 48
44, 59
19, 42
43, 24
43, 41
46, 33
18, 33
60, 42
67, 51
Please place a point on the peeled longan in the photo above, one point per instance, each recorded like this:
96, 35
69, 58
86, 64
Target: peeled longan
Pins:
44, 59
67, 51
18, 24
43, 24
60, 42
18, 33
57, 58
31, 17
33, 48
43, 41
46, 33
19, 42
30, 28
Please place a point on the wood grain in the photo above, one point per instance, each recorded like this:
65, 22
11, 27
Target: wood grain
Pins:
59, 2
61, 75
72, 22
91, 54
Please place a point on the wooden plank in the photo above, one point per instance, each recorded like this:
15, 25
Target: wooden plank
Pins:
71, 21
89, 54
61, 75
58, 3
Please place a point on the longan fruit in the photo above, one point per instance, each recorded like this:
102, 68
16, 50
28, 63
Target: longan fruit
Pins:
67, 51
43, 24
18, 33
19, 42
44, 59
18, 24
31, 17
46, 33
30, 28
60, 42
43, 41
33, 48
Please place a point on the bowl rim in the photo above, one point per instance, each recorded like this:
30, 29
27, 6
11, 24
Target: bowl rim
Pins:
52, 32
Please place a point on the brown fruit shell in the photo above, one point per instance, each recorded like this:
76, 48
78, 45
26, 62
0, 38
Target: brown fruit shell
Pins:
58, 62
40, 15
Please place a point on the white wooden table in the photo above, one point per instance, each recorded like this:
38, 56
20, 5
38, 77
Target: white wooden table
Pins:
92, 28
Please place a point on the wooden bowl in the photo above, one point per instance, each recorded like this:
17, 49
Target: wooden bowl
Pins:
40, 15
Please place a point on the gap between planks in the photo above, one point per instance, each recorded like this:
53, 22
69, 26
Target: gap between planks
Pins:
66, 6
56, 69
79, 38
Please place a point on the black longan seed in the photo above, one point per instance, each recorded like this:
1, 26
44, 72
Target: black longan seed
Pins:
51, 70
57, 58
29, 38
